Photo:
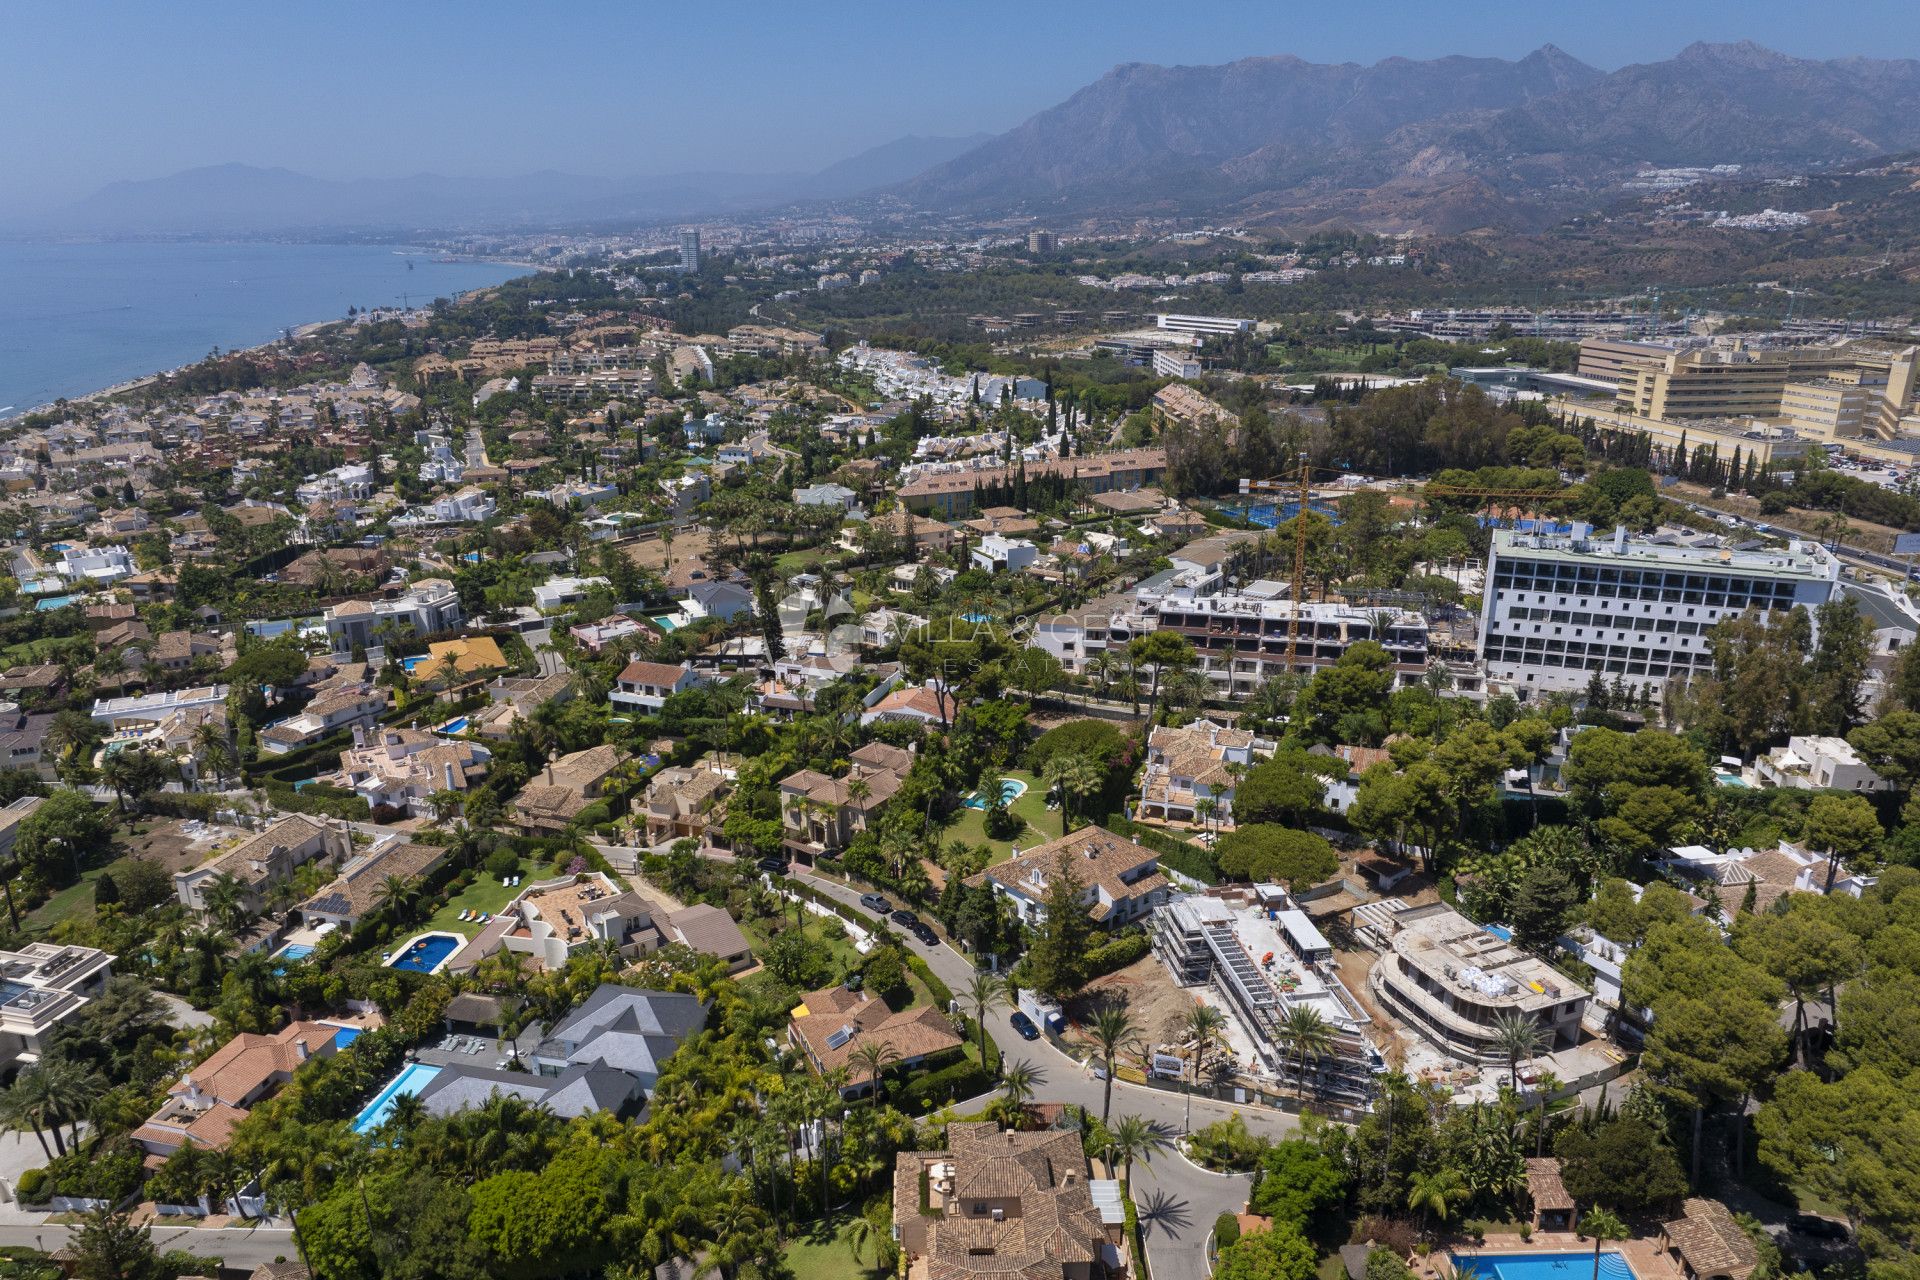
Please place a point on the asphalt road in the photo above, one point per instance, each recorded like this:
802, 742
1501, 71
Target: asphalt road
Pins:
1176, 1199
235, 1246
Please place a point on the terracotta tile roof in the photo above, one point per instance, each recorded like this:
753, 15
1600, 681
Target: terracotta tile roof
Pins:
1057, 1230
238, 1069
1097, 856
1544, 1186
1711, 1242
911, 1033
654, 673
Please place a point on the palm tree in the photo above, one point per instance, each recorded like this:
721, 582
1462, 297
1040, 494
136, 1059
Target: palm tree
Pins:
70, 1089
1019, 1082
1602, 1226
1204, 808
1307, 1034
1071, 776
860, 1233
1204, 1025
1112, 1029
226, 900
406, 1113
1435, 1194
9, 872
397, 893
18, 1110
1518, 1036
984, 994
1130, 1139
874, 1057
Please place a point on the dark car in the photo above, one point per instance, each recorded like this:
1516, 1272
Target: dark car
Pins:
926, 935
1808, 1224
875, 903
1024, 1025
905, 918
774, 866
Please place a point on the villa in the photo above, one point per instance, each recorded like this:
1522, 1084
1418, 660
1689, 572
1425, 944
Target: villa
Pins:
1004, 1205
567, 786
429, 607
514, 699
646, 686
627, 1028
205, 1104
359, 706
42, 985
404, 768
262, 861
1120, 880
361, 886
821, 814
688, 802
829, 1025
920, 704
558, 918
1765, 874
1191, 773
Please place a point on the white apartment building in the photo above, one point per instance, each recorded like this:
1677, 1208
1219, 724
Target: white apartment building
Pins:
429, 606
1201, 324
1560, 609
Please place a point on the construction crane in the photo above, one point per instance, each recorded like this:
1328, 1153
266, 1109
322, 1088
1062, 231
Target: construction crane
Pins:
1282, 484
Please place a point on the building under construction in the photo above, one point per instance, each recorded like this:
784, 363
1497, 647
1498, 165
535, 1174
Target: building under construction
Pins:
1263, 957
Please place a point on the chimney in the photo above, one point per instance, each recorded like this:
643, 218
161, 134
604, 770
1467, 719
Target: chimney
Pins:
300, 1048
1069, 1178
447, 773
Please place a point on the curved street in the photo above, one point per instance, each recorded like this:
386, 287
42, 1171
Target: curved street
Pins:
1176, 1199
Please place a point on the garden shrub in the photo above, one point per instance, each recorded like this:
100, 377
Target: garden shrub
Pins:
1226, 1230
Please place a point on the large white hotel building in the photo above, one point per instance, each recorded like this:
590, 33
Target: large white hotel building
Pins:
1560, 608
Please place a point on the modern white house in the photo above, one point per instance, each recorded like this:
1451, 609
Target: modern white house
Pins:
562, 593
96, 565
1817, 762
997, 554
466, 506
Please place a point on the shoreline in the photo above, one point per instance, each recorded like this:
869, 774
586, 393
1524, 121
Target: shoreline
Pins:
12, 417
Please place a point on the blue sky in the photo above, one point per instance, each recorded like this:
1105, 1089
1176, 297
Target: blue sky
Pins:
91, 92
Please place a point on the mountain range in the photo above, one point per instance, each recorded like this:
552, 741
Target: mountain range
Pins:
235, 198
1441, 145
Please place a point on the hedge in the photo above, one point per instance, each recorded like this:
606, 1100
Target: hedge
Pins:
1226, 1230
331, 802
1118, 954
1188, 859
963, 1079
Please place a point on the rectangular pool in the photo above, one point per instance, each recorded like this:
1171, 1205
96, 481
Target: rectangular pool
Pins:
411, 1080
1541, 1266
426, 952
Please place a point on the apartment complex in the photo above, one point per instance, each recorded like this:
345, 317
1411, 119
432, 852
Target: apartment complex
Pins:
1560, 609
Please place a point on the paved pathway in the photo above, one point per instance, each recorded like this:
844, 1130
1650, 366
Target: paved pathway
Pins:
237, 1247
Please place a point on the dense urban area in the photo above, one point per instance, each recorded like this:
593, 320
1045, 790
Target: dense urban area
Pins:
808, 747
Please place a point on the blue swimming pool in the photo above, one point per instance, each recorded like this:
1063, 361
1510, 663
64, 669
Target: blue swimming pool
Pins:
1541, 1266
408, 664
427, 952
415, 1077
976, 617
1011, 789
456, 725
665, 623
293, 951
346, 1036
1499, 931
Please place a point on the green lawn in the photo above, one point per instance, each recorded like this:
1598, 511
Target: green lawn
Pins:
1042, 823
486, 893
844, 959
822, 1254
74, 900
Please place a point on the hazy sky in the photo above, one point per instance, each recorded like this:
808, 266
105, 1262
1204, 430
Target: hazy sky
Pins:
91, 92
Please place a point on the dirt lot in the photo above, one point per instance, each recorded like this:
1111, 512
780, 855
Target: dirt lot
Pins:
689, 546
163, 843
1157, 1005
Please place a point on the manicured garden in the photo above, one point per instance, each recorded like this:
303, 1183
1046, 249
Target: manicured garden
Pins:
1043, 824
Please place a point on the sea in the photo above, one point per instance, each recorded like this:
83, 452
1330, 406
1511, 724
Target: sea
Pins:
79, 316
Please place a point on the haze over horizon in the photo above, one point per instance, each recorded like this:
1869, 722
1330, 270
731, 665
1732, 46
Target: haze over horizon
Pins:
605, 90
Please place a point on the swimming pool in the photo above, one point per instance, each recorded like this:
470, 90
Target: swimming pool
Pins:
411, 1080
427, 952
1011, 789
293, 951
409, 664
1541, 1266
976, 617
456, 725
665, 623
346, 1036
1499, 931
1729, 780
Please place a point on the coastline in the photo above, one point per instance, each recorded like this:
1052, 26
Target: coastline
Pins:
10, 418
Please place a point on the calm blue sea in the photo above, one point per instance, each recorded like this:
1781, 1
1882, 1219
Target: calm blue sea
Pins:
81, 316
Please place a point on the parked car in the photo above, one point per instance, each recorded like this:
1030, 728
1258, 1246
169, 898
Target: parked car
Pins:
774, 866
926, 935
905, 918
875, 903
1024, 1025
